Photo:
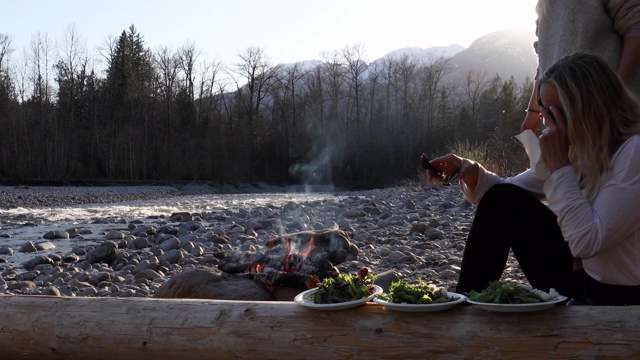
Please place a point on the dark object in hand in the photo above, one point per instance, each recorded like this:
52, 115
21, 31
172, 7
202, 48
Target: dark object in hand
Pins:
426, 164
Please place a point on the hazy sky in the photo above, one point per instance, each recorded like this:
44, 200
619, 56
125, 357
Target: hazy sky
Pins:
287, 30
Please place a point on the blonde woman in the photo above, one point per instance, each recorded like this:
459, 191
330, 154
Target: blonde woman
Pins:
592, 149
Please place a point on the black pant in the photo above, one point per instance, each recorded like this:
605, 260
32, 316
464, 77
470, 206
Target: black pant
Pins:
605, 294
511, 218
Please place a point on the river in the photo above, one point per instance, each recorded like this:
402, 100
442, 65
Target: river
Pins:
22, 225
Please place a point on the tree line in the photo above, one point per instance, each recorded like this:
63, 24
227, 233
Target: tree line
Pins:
170, 115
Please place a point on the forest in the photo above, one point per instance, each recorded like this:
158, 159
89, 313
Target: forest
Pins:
136, 115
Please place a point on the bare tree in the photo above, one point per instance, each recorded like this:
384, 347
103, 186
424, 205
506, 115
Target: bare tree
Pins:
71, 76
187, 57
258, 77
209, 78
471, 86
6, 85
5, 52
255, 69
405, 92
21, 77
374, 79
72, 54
39, 57
356, 65
209, 116
8, 122
107, 50
314, 99
387, 78
334, 72
166, 63
430, 74
290, 80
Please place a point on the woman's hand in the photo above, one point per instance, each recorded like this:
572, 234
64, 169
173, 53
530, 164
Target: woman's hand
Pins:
468, 171
531, 121
554, 141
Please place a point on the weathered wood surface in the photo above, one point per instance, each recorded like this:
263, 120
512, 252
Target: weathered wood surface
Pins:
40, 327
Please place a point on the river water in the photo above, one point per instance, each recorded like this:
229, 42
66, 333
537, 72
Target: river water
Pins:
20, 225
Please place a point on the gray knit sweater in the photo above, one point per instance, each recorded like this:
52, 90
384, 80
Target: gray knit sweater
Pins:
594, 26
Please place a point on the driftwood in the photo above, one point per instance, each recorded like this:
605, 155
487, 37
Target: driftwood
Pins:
39, 327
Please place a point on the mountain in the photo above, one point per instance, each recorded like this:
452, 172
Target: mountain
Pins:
415, 53
506, 53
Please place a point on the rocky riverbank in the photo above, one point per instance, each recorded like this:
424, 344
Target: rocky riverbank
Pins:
42, 196
418, 233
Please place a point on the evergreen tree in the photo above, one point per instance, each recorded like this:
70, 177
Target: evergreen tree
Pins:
129, 75
129, 85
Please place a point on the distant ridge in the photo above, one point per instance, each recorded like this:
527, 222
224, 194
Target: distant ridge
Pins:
416, 52
505, 53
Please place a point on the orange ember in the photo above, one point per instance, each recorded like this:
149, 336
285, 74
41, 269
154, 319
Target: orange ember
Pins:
292, 255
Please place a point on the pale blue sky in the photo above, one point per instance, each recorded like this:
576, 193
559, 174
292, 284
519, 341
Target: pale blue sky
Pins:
288, 30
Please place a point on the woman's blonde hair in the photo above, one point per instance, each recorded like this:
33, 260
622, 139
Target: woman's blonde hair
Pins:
601, 113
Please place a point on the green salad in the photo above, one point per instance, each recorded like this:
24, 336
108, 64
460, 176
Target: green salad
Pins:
420, 293
344, 287
504, 292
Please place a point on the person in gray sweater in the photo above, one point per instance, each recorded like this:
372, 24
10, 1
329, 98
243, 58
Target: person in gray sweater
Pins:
607, 28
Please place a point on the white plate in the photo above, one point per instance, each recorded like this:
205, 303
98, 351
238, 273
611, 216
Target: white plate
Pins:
299, 299
423, 307
518, 307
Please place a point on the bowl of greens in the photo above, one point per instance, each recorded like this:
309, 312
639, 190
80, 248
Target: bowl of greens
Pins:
420, 297
341, 292
506, 296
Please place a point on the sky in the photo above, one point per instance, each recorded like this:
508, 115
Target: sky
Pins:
287, 30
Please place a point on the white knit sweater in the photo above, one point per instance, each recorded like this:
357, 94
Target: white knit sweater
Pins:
605, 233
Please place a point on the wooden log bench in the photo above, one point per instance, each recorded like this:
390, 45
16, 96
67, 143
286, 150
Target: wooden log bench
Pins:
43, 327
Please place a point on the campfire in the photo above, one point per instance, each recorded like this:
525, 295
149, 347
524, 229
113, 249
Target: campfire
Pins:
299, 260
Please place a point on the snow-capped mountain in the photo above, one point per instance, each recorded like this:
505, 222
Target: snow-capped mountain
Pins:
506, 53
416, 53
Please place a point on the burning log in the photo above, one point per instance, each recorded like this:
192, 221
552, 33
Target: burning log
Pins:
331, 245
307, 252
278, 279
321, 270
